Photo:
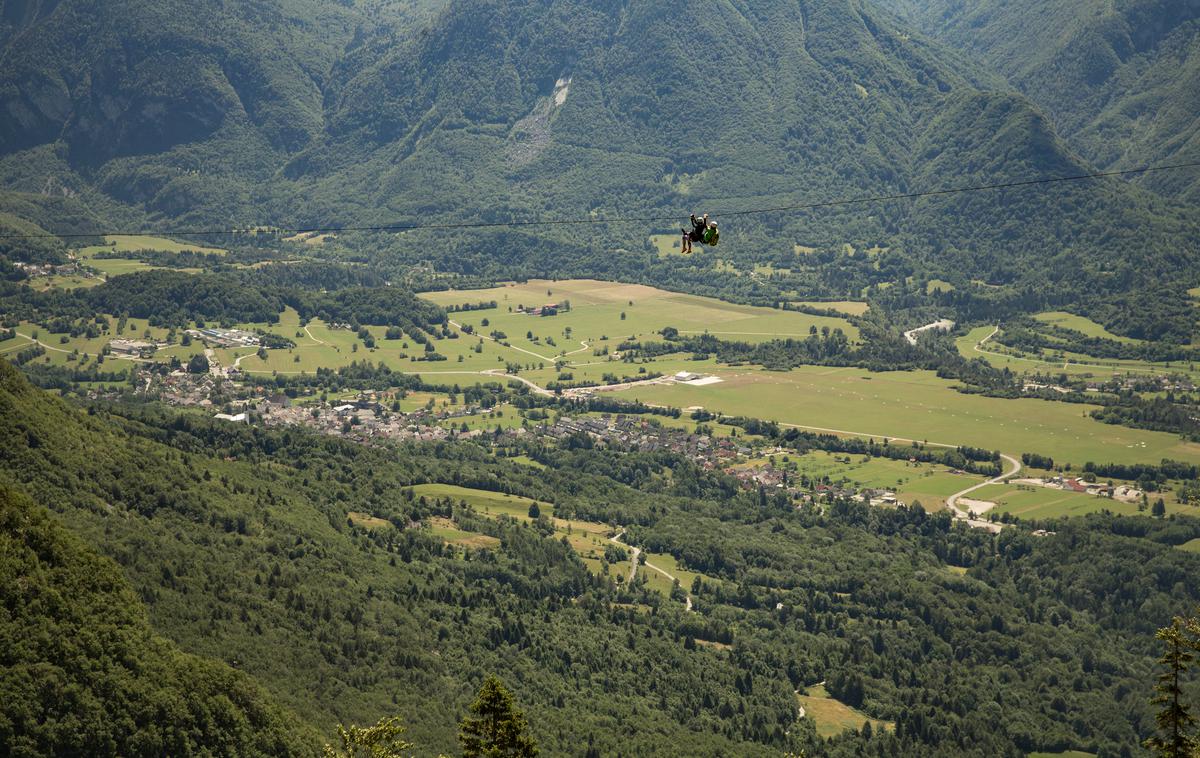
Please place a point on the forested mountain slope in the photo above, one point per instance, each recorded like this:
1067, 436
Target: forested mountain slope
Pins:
238, 541
1120, 78
82, 674
315, 113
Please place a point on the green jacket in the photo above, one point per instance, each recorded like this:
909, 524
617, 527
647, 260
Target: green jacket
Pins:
711, 236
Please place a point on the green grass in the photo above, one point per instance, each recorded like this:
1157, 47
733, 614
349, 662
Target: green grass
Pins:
43, 283
131, 242
833, 717
938, 284
919, 405
1032, 502
449, 532
1081, 324
666, 244
655, 580
928, 483
111, 267
525, 460
1191, 546
483, 501
1070, 364
595, 317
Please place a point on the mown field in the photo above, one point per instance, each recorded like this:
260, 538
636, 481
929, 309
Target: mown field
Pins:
1082, 324
1033, 502
596, 308
927, 483
918, 405
1072, 364
832, 717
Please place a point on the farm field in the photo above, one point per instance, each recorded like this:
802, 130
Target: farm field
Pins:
1081, 324
1101, 368
133, 242
928, 483
658, 581
595, 315
1032, 502
833, 717
44, 283
917, 404
484, 501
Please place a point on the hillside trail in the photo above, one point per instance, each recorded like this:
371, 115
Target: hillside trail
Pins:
635, 552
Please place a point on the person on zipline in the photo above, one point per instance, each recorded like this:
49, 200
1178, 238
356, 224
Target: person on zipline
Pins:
703, 231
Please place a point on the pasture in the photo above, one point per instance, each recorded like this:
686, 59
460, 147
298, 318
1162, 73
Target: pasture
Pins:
928, 483
918, 405
603, 314
1072, 364
832, 717
1081, 324
133, 242
1033, 502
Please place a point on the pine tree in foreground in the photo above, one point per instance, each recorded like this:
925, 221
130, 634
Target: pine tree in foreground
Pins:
496, 729
1175, 721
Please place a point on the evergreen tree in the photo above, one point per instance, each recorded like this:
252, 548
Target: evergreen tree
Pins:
497, 729
1175, 720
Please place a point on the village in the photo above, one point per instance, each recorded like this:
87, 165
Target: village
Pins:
374, 418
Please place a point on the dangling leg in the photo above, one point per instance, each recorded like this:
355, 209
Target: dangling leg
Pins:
685, 246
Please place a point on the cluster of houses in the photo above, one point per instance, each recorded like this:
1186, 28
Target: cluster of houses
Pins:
641, 433
1100, 489
549, 309
35, 270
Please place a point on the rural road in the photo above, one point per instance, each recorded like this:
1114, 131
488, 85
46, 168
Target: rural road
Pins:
43, 344
635, 552
314, 339
952, 501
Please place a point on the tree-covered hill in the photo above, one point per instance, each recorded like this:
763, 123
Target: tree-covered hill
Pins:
240, 543
1120, 80
81, 673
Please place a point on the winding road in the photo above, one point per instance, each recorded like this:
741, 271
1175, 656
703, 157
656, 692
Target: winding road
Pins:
635, 552
952, 501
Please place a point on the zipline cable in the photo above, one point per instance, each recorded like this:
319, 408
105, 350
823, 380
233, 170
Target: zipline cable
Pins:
617, 219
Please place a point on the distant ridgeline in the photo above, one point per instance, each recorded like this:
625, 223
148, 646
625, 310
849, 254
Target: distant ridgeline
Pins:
485, 113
